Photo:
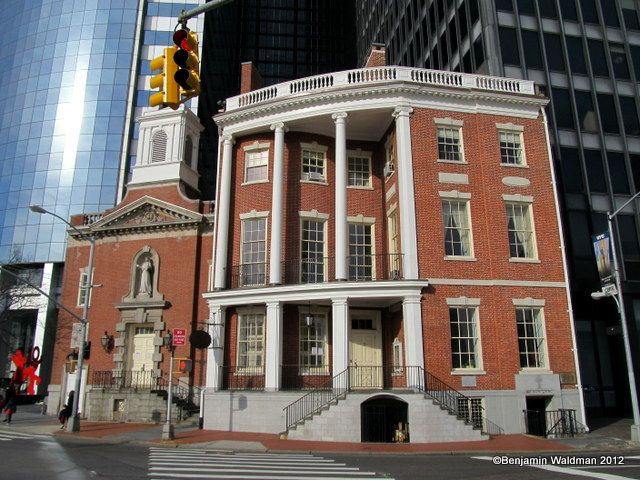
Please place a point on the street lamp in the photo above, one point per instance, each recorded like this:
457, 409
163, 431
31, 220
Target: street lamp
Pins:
73, 425
616, 294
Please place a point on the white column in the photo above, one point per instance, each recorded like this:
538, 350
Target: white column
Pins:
340, 341
341, 196
412, 326
215, 352
277, 205
223, 208
406, 196
273, 360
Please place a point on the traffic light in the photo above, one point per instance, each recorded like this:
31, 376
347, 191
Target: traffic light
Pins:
86, 353
188, 63
184, 365
169, 94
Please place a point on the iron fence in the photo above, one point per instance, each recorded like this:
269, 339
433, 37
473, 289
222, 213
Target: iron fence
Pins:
242, 378
124, 379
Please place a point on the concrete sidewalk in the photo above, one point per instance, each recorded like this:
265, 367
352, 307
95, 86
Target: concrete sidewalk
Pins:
607, 436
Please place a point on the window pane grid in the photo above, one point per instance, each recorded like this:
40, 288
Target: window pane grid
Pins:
359, 172
449, 144
511, 148
251, 340
253, 251
464, 337
470, 410
530, 337
312, 165
256, 166
312, 251
457, 231
312, 344
360, 252
520, 231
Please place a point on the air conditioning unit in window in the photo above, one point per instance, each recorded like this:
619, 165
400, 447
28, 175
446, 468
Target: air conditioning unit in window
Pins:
315, 177
388, 169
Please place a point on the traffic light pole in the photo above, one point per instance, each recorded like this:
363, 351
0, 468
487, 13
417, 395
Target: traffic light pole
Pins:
184, 16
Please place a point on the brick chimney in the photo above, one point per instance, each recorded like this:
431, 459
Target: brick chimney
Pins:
377, 56
250, 78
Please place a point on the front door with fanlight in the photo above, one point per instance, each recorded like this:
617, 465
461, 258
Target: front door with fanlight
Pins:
142, 349
365, 350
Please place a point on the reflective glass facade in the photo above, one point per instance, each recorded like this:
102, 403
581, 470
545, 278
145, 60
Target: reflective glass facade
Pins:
66, 118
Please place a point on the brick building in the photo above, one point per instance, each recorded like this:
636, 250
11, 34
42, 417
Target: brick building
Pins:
149, 271
387, 251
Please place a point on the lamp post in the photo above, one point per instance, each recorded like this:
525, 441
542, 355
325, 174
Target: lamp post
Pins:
167, 428
617, 296
73, 424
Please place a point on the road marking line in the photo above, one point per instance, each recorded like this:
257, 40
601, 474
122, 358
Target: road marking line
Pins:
568, 471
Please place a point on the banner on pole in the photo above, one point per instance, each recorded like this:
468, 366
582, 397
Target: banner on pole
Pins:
602, 250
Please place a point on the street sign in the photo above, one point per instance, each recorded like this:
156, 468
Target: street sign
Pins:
76, 335
179, 337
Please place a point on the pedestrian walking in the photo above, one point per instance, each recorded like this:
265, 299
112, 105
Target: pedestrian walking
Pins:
65, 413
10, 402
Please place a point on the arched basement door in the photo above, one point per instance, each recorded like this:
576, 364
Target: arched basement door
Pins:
380, 417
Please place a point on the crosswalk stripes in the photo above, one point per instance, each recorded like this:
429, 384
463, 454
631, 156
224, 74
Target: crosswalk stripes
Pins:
174, 463
7, 435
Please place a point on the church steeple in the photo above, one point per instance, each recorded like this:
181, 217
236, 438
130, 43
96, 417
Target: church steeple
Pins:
167, 148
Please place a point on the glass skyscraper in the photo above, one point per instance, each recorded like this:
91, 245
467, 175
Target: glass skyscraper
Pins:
74, 78
584, 55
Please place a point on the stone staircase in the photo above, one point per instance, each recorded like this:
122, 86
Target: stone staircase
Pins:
340, 421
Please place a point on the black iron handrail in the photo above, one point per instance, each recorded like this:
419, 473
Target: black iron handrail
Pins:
450, 399
236, 377
553, 423
314, 401
138, 379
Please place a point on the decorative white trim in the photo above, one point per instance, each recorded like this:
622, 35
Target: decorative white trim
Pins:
390, 193
460, 258
315, 146
463, 302
515, 181
510, 126
448, 122
455, 194
361, 219
313, 214
517, 198
392, 208
253, 214
528, 302
358, 152
467, 371
524, 260
459, 178
256, 146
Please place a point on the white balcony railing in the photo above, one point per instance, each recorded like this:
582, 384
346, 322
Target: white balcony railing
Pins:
377, 75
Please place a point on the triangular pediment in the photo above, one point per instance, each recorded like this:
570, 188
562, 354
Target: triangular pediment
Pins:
147, 213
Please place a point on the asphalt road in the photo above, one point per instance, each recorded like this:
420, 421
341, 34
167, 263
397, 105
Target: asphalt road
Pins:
50, 458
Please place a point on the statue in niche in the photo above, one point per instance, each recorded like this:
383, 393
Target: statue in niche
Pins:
146, 277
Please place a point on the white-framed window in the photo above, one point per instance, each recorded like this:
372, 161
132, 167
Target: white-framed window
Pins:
82, 289
511, 148
390, 164
256, 165
457, 228
465, 338
470, 410
395, 259
397, 356
314, 357
358, 170
450, 144
313, 251
314, 165
531, 337
253, 253
521, 232
360, 251
250, 354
